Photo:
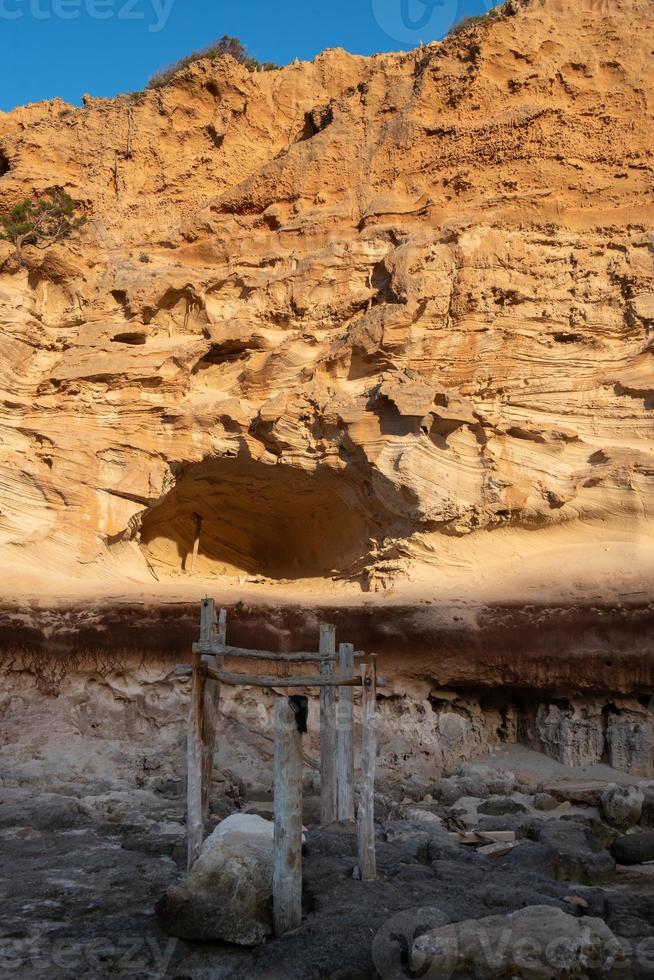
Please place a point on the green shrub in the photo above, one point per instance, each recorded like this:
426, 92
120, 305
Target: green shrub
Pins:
44, 222
474, 20
225, 45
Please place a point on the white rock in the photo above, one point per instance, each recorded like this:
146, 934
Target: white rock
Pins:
227, 894
236, 825
621, 805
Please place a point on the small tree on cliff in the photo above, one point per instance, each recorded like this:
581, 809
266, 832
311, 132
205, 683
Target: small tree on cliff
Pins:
42, 223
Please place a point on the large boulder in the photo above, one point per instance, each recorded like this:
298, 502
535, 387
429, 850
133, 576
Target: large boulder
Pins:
630, 740
634, 848
499, 805
647, 814
496, 781
621, 805
538, 943
579, 854
450, 789
569, 733
228, 893
544, 801
410, 837
41, 811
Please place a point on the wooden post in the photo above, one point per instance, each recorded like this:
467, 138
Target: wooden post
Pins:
287, 857
203, 716
211, 705
345, 775
194, 819
366, 809
196, 542
328, 789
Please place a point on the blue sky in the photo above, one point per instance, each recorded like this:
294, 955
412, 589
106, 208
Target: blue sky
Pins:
64, 48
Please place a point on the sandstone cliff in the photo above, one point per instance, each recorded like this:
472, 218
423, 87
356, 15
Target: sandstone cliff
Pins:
383, 323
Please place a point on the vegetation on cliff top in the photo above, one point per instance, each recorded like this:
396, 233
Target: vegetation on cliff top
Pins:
475, 20
226, 45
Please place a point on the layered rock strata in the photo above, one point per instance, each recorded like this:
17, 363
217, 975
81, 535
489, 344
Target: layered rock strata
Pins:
383, 320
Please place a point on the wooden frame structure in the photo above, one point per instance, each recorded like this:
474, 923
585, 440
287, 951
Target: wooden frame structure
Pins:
336, 748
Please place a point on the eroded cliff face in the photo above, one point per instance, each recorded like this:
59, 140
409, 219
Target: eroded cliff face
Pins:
381, 323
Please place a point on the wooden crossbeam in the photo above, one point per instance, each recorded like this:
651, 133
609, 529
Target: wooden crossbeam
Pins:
259, 680
216, 648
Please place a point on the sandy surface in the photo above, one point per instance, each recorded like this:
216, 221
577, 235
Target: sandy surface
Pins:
534, 767
567, 565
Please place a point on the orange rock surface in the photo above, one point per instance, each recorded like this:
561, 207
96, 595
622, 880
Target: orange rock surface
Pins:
382, 323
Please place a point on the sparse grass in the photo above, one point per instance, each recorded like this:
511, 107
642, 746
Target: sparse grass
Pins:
474, 20
226, 45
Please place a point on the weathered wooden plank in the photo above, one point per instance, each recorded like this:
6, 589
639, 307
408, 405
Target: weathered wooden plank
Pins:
259, 680
314, 680
287, 859
366, 808
345, 766
222, 649
328, 788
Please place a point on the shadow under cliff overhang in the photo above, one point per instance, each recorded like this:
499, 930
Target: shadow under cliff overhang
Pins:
250, 517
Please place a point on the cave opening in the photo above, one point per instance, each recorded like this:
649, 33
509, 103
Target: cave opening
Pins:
273, 520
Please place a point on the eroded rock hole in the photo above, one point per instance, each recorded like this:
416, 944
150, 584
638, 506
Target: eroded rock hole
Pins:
316, 120
134, 338
5, 165
227, 352
272, 520
216, 138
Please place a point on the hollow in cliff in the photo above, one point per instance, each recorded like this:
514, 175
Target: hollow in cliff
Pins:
253, 518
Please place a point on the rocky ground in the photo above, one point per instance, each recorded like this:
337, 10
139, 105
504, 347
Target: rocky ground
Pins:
84, 864
377, 333
380, 323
